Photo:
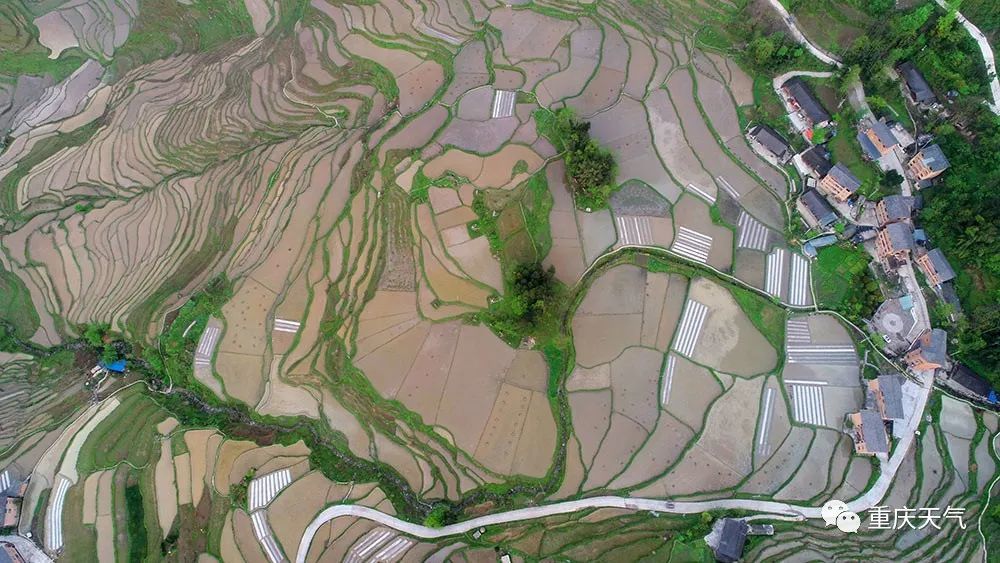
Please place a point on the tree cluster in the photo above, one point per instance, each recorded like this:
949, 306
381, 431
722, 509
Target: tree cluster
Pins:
98, 337
530, 303
530, 290
590, 169
766, 48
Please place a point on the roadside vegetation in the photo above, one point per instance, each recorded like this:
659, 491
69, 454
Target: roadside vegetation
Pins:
762, 44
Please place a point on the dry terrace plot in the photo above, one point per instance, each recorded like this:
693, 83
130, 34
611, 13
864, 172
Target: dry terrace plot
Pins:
625, 131
620, 330
489, 397
635, 410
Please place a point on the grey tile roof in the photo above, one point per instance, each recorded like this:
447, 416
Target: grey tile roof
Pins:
844, 177
868, 146
818, 159
898, 207
941, 265
933, 158
819, 207
891, 385
933, 345
900, 235
772, 141
969, 379
883, 134
873, 431
733, 539
917, 84
806, 100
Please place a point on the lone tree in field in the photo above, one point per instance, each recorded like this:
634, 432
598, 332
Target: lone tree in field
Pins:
590, 169
532, 287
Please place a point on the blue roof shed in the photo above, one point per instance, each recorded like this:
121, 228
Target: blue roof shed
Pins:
117, 366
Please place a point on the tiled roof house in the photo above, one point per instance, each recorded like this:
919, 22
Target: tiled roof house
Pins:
840, 183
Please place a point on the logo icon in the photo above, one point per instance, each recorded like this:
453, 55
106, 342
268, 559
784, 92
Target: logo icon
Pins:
831, 510
848, 522
835, 513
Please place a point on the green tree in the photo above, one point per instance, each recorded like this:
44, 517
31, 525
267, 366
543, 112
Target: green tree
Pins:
849, 76
94, 334
437, 517
590, 169
591, 173
891, 179
531, 289
761, 50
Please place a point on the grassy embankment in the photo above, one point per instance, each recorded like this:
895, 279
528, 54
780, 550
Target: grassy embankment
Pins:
844, 282
16, 309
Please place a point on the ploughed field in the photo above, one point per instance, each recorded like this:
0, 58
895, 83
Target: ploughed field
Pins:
364, 177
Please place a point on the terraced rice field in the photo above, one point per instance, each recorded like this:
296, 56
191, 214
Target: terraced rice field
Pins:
361, 180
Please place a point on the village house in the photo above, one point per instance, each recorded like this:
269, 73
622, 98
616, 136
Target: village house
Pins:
916, 85
12, 490
840, 183
930, 351
971, 383
11, 512
817, 212
928, 163
887, 392
814, 161
894, 243
807, 106
936, 267
731, 538
881, 139
893, 209
868, 432
766, 139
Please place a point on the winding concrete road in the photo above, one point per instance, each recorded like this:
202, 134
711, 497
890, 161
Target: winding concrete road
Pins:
789, 20
871, 498
27, 549
984, 47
